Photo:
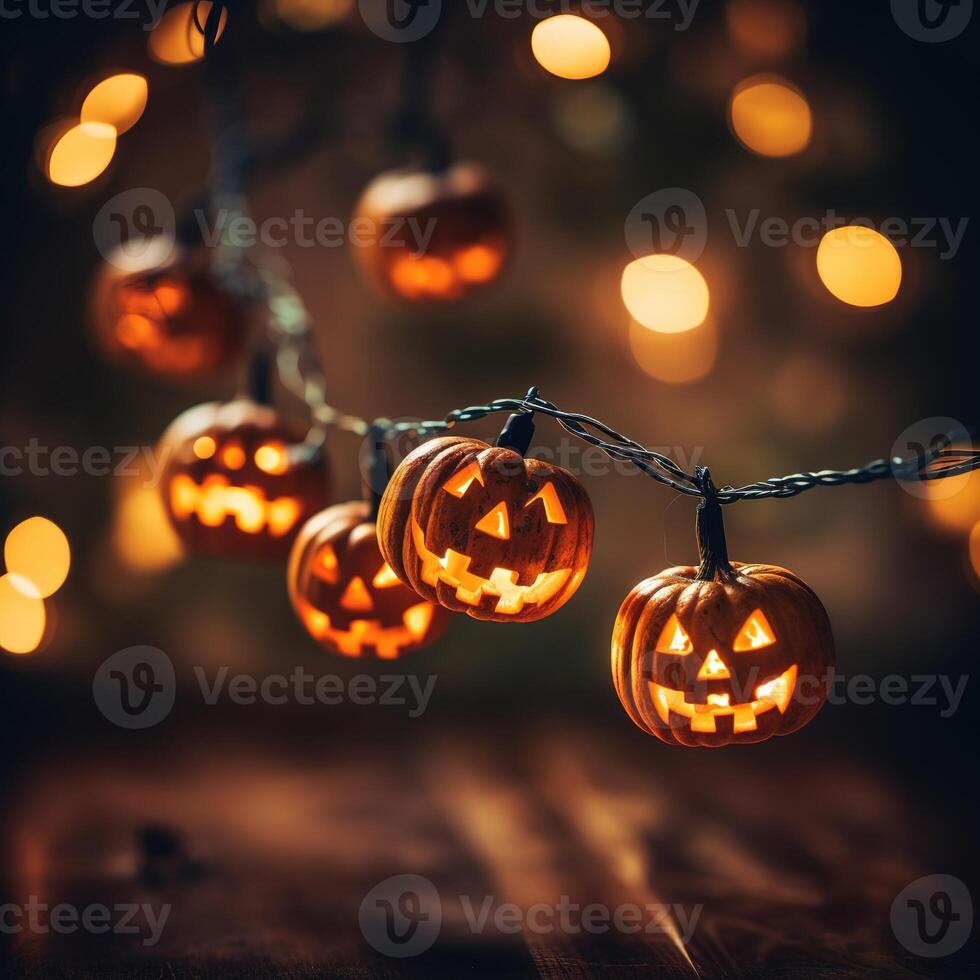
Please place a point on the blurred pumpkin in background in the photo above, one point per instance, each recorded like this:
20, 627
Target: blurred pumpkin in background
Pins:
431, 236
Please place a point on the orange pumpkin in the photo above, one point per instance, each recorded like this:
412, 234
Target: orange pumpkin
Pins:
239, 480
723, 654
164, 313
482, 530
347, 596
434, 236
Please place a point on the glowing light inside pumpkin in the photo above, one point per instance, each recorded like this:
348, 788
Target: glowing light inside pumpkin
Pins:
176, 40
495, 523
673, 639
665, 293
713, 668
437, 277
460, 482
755, 633
37, 554
215, 500
776, 693
570, 46
204, 447
453, 569
272, 458
233, 456
386, 578
118, 100
356, 597
387, 641
81, 154
553, 511
770, 116
859, 266
327, 567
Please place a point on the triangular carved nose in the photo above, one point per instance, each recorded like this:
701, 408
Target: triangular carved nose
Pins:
356, 597
713, 668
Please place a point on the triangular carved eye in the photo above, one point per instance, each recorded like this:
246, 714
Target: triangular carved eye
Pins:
460, 482
755, 633
553, 510
673, 639
327, 567
385, 578
496, 523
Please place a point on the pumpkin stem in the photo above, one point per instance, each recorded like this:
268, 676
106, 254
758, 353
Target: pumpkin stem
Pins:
710, 526
377, 467
518, 431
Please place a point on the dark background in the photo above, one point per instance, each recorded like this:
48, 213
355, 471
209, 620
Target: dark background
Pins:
893, 120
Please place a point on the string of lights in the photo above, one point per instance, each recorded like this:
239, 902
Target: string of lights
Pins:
301, 376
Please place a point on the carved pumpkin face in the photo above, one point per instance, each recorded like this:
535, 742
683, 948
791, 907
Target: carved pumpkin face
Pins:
346, 594
238, 480
484, 531
165, 314
738, 658
436, 237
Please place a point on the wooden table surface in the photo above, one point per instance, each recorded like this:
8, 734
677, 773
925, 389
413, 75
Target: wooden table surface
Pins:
792, 865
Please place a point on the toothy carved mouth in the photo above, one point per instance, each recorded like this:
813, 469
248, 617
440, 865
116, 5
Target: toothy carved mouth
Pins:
776, 693
388, 641
212, 501
453, 569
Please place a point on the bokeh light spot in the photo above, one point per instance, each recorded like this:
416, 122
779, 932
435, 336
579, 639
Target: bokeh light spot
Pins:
859, 266
665, 293
954, 502
770, 116
81, 154
570, 46
22, 616
118, 100
675, 358
37, 551
176, 39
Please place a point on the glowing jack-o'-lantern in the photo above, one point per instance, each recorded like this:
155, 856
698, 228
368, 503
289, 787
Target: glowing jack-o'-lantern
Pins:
722, 654
163, 312
433, 237
482, 530
238, 480
346, 594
